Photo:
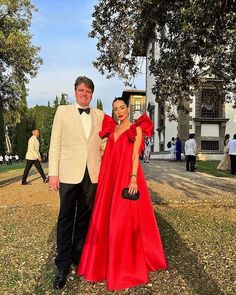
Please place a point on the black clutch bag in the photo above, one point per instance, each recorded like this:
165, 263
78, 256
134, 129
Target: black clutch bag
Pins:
127, 195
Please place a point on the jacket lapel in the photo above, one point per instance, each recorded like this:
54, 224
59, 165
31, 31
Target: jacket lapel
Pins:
94, 121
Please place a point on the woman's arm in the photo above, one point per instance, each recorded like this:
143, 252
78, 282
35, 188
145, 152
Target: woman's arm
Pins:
103, 146
133, 186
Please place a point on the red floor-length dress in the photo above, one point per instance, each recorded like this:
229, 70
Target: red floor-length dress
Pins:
123, 242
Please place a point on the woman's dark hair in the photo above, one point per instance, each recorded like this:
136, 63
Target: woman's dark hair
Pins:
126, 101
226, 138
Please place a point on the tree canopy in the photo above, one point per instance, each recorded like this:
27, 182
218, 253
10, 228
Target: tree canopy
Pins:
42, 117
193, 38
99, 104
19, 59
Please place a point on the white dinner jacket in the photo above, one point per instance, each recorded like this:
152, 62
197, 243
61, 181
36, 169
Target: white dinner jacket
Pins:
70, 151
33, 149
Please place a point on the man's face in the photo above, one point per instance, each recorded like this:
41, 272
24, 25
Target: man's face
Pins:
83, 95
36, 133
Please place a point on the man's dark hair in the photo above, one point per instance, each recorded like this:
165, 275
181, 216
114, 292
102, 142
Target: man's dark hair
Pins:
234, 136
191, 136
227, 136
126, 101
88, 82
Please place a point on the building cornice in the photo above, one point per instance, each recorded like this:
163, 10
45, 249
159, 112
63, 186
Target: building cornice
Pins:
211, 120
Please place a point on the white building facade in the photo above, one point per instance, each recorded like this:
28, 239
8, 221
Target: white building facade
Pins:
208, 118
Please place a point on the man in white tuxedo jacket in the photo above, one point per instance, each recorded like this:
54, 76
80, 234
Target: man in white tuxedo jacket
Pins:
33, 157
74, 164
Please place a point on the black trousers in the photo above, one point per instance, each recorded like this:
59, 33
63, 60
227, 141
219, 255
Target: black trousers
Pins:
76, 202
29, 164
233, 163
190, 161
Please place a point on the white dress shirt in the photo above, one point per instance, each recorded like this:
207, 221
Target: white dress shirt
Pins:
190, 147
232, 147
86, 121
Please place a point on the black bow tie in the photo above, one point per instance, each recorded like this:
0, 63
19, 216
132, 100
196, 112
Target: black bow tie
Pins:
87, 110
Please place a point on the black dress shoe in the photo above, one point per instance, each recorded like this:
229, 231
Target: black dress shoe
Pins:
46, 180
60, 280
25, 183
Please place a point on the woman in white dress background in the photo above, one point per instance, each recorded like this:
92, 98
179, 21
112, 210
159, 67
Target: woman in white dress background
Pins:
225, 162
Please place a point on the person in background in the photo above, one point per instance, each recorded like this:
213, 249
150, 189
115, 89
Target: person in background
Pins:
33, 158
10, 159
147, 149
178, 145
6, 158
232, 153
173, 149
17, 158
1, 159
190, 152
225, 162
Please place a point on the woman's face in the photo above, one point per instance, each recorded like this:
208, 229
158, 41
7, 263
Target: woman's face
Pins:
120, 109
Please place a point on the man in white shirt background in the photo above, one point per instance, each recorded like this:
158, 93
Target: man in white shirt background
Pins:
190, 152
232, 153
33, 157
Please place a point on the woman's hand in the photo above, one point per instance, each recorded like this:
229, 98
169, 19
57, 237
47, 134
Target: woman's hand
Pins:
133, 186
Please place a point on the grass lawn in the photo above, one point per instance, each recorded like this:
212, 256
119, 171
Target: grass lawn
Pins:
210, 168
15, 166
198, 245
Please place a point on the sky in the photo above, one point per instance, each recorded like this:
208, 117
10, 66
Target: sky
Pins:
60, 28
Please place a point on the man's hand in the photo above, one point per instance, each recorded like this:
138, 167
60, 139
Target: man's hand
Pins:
54, 183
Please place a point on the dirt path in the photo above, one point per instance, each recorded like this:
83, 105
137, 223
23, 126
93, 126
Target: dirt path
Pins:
167, 179
175, 185
37, 193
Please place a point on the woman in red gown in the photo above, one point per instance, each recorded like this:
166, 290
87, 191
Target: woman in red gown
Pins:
123, 242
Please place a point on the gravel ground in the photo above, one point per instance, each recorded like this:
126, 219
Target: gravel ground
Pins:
175, 185
195, 214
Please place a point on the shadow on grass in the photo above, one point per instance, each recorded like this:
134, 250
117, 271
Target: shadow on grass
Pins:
185, 261
45, 278
14, 179
174, 174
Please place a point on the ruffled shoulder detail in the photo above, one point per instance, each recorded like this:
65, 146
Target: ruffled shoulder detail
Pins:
146, 125
108, 126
